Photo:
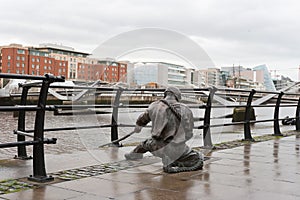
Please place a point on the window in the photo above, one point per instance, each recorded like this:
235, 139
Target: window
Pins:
18, 64
8, 57
32, 66
32, 59
23, 65
21, 51
60, 64
23, 58
18, 71
49, 67
37, 66
18, 57
45, 67
32, 73
50, 61
8, 64
37, 60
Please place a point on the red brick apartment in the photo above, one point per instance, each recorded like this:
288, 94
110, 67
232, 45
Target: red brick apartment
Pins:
19, 60
59, 60
103, 70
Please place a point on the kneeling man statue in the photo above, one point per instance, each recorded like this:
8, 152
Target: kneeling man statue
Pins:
172, 126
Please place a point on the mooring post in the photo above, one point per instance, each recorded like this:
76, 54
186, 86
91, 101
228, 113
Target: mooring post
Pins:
114, 117
206, 123
276, 115
247, 128
22, 154
298, 116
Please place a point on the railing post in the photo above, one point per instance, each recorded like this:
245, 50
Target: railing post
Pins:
22, 154
247, 129
276, 115
39, 170
298, 116
206, 122
114, 117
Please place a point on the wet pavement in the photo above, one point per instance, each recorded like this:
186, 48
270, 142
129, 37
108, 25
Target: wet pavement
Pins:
265, 170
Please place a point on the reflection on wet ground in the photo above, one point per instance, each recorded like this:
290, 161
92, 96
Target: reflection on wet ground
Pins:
266, 170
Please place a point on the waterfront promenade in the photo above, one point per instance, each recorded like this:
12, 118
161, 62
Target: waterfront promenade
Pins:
264, 170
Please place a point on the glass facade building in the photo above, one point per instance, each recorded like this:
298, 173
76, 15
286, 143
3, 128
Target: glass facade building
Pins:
268, 83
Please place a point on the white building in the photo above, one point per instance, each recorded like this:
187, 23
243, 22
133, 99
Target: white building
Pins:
164, 74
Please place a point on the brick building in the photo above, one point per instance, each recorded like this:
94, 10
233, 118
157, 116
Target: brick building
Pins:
59, 60
108, 71
29, 60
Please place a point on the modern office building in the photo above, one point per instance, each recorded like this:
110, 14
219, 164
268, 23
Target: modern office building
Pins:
240, 77
162, 73
265, 77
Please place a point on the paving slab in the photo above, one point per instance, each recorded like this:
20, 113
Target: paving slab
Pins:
266, 170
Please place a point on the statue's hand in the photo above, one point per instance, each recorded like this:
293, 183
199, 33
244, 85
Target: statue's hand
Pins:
137, 129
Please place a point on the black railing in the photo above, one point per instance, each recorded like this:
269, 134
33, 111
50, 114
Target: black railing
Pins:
39, 170
205, 94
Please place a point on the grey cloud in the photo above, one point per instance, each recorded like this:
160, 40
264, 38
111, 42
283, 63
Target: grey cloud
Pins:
249, 31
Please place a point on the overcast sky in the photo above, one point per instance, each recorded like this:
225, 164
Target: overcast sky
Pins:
238, 32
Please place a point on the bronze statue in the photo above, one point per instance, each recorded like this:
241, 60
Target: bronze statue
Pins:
172, 126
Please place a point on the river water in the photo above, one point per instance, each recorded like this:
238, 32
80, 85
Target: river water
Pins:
87, 139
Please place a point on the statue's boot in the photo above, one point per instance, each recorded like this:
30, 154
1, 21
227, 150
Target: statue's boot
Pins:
191, 162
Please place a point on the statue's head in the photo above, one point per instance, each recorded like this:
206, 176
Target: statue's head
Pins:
173, 90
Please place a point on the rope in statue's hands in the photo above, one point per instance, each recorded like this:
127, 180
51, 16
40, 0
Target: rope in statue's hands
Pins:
118, 140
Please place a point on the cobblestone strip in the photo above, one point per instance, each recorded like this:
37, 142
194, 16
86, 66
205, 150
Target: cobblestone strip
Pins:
11, 185
96, 170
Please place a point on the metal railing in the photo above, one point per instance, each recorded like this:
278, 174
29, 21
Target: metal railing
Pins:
116, 94
39, 170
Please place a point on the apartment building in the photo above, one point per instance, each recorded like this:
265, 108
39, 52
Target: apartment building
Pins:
66, 54
105, 70
59, 60
29, 60
207, 77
